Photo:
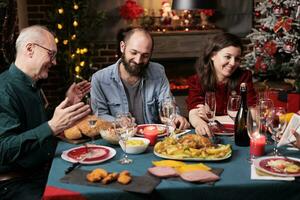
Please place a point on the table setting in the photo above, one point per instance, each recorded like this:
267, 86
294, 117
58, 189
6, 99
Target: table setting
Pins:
228, 163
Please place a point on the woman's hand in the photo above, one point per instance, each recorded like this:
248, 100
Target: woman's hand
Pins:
181, 122
77, 91
197, 119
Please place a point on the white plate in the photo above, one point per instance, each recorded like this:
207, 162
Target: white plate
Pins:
191, 159
261, 164
93, 160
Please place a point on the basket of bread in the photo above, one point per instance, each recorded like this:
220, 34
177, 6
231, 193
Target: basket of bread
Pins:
82, 129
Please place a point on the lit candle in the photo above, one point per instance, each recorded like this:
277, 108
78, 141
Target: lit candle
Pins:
151, 132
257, 145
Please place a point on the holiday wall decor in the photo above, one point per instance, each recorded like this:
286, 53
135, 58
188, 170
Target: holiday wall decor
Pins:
275, 40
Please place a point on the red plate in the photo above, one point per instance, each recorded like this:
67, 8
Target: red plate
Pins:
98, 153
225, 129
161, 129
264, 165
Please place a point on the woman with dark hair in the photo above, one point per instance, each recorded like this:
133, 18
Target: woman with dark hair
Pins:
219, 72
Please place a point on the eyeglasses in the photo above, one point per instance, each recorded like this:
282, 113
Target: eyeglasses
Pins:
51, 53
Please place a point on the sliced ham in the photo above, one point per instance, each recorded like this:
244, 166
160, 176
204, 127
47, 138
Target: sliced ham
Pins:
199, 176
163, 172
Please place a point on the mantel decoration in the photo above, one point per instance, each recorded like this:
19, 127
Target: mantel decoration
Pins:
74, 28
131, 11
276, 41
204, 17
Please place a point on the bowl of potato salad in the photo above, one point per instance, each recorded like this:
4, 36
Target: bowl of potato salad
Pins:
135, 145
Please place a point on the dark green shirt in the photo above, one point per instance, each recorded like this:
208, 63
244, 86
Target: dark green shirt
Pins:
26, 140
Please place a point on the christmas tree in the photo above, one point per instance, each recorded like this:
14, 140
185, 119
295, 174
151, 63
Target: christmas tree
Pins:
74, 25
276, 40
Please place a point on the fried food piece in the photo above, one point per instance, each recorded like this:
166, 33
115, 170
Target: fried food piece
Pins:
73, 133
125, 172
124, 179
96, 175
109, 178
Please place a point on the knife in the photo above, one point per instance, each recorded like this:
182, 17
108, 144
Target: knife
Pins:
222, 127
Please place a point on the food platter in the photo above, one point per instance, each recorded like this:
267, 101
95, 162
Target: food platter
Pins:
191, 147
96, 154
192, 159
278, 166
162, 130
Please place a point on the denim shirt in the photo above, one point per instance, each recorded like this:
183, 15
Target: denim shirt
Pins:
109, 97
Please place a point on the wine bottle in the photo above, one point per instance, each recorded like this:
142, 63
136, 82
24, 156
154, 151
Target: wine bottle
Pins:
241, 137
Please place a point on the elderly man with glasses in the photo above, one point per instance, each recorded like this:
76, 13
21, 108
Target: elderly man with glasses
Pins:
27, 137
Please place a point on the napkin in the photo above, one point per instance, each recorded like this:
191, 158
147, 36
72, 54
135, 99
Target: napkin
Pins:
287, 136
140, 184
224, 119
259, 175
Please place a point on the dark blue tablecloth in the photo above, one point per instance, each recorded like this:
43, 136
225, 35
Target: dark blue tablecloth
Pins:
235, 181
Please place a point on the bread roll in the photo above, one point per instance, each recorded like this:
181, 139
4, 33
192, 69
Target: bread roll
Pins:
73, 133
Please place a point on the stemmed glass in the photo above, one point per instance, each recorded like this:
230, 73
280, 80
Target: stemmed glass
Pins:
265, 106
167, 113
92, 120
124, 127
210, 107
233, 105
257, 138
276, 123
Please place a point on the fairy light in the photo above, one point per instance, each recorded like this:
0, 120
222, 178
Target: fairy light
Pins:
59, 26
75, 23
77, 69
56, 40
82, 63
73, 55
75, 6
73, 37
65, 42
61, 11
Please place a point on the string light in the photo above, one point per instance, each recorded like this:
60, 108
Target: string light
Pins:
59, 26
75, 6
73, 37
78, 51
73, 55
56, 40
60, 10
82, 63
65, 42
77, 69
75, 23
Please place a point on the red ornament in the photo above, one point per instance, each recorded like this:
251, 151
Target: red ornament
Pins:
289, 47
257, 14
277, 10
270, 47
286, 11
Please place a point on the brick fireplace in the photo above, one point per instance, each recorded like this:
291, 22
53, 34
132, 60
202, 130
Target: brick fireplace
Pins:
179, 52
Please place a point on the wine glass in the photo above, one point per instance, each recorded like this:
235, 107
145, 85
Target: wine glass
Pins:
210, 107
276, 123
257, 138
265, 106
92, 120
233, 105
124, 127
167, 113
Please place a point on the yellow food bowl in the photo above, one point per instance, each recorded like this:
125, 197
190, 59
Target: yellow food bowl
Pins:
135, 145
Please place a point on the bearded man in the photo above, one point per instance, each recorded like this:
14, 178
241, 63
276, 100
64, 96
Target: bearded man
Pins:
133, 84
